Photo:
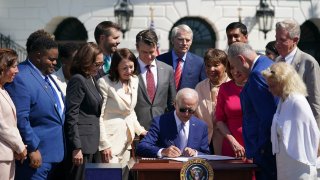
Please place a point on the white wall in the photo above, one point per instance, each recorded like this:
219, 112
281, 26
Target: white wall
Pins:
19, 18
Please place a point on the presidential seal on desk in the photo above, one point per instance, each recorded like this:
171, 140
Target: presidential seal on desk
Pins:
196, 169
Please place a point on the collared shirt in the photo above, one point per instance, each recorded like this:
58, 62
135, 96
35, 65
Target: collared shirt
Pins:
153, 68
289, 57
175, 60
53, 84
178, 123
254, 61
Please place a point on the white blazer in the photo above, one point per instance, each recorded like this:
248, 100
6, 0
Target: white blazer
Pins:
299, 129
118, 120
10, 139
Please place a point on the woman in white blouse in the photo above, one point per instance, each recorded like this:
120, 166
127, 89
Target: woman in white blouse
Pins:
11, 144
118, 121
294, 132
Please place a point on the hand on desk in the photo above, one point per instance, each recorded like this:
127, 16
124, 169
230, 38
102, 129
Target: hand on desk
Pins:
189, 152
171, 151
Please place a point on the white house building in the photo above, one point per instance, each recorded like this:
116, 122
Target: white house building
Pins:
207, 18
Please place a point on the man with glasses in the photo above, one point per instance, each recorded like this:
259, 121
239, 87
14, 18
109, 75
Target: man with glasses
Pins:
287, 38
177, 133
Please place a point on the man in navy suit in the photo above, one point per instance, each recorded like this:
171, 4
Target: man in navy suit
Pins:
258, 107
40, 111
177, 133
192, 66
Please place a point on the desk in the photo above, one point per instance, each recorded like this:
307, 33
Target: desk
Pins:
170, 170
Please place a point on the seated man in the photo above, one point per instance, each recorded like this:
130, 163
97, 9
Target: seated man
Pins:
177, 133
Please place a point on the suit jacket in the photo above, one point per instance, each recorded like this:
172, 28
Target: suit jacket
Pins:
164, 97
83, 108
308, 69
118, 116
205, 111
258, 107
39, 122
193, 69
10, 139
163, 132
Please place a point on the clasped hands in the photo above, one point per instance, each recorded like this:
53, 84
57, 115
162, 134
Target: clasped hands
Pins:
35, 158
21, 156
173, 151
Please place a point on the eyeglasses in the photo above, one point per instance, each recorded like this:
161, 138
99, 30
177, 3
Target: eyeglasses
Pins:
189, 110
98, 65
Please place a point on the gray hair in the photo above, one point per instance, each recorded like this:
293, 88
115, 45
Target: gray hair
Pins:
238, 48
291, 26
181, 27
187, 93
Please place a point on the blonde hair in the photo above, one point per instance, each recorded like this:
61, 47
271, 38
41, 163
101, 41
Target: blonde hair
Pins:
286, 76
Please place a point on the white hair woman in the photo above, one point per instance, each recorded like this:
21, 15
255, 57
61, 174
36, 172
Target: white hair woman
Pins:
294, 132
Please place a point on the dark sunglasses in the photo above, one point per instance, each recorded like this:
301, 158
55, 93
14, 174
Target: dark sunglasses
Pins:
189, 110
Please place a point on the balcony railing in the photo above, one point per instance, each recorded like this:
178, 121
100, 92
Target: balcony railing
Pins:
6, 42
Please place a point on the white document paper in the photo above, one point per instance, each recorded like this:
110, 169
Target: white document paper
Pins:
207, 157
215, 157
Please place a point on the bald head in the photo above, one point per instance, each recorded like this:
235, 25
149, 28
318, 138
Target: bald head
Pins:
187, 93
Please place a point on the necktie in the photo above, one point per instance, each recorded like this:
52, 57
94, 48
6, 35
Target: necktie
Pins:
107, 63
151, 88
282, 59
55, 96
177, 73
183, 139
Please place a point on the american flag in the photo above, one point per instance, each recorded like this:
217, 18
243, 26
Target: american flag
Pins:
152, 28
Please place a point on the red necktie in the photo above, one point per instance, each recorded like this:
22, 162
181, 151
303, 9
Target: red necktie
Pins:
151, 88
177, 73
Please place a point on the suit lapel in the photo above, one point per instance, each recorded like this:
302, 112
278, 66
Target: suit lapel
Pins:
207, 95
160, 81
45, 87
296, 60
187, 69
92, 88
6, 96
192, 129
142, 85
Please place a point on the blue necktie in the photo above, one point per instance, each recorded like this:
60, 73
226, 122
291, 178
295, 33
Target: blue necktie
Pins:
56, 97
183, 139
107, 63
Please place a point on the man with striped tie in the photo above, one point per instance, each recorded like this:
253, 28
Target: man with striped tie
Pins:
188, 67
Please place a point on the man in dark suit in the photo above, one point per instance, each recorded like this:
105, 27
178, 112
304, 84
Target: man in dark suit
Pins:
40, 110
107, 35
237, 32
177, 133
287, 38
156, 89
258, 107
188, 67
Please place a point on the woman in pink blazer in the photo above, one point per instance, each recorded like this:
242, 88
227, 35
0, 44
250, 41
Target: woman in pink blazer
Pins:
215, 61
11, 145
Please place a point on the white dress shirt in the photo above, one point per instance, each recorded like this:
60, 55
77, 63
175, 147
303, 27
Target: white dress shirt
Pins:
153, 68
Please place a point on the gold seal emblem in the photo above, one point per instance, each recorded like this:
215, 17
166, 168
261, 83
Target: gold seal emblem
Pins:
196, 169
